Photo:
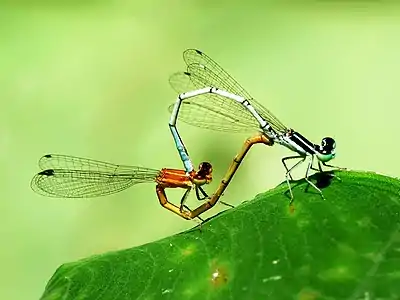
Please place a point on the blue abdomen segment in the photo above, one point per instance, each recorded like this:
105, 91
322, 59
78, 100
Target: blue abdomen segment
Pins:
187, 163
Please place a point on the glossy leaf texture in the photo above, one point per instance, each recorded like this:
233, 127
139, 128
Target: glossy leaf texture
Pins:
344, 247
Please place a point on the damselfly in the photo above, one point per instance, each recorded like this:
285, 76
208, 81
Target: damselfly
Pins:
210, 98
74, 177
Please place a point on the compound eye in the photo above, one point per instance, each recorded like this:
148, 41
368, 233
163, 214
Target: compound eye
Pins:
205, 167
328, 144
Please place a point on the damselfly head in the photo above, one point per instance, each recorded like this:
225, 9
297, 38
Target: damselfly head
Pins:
205, 167
205, 170
328, 145
327, 150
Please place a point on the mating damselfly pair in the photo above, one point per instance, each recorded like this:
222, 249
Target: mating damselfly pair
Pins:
208, 98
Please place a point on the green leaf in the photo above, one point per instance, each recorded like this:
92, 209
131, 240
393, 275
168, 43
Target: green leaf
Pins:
344, 247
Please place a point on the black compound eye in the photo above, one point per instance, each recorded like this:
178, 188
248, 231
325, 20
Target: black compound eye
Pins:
205, 166
328, 144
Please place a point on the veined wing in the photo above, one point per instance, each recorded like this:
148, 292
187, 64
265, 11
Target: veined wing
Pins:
210, 111
75, 177
204, 71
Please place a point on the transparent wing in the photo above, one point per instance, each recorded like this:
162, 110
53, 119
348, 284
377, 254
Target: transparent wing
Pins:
204, 71
75, 177
211, 111
212, 74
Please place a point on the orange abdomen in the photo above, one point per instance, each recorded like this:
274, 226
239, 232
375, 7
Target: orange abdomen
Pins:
174, 178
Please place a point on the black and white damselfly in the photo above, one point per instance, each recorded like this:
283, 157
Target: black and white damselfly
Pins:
210, 98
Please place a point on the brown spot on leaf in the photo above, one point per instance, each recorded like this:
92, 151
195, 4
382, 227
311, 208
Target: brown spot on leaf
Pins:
308, 295
219, 274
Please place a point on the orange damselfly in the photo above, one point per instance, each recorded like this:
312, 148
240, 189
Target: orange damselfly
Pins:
67, 176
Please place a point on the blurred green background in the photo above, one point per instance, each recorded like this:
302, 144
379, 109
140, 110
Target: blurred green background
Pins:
90, 79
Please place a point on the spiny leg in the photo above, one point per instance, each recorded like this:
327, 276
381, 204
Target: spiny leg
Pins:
226, 204
205, 196
208, 197
284, 164
335, 168
319, 167
307, 175
322, 171
330, 174
288, 175
183, 199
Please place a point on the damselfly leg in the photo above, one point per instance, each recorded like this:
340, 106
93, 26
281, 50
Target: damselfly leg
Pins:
307, 175
288, 175
330, 166
335, 168
284, 164
183, 199
205, 196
